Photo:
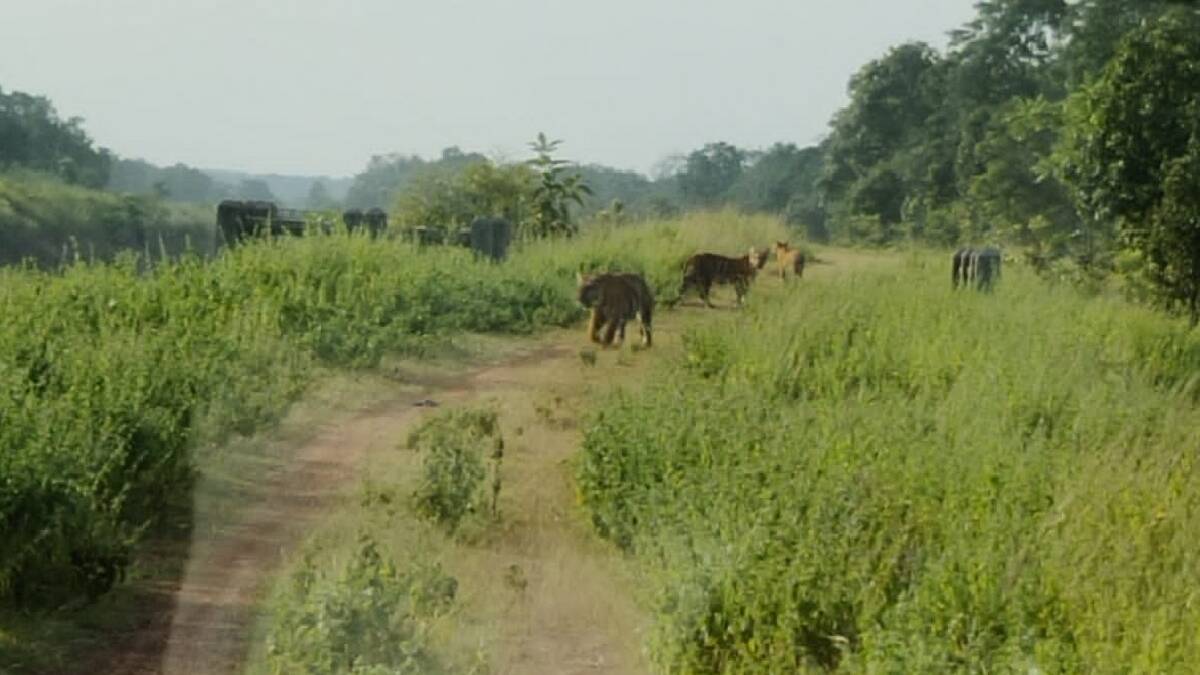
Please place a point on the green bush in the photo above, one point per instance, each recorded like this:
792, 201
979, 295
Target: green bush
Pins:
369, 617
455, 444
884, 475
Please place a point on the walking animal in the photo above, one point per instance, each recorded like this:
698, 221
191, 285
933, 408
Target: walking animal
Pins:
975, 267
960, 267
703, 270
789, 258
615, 299
985, 268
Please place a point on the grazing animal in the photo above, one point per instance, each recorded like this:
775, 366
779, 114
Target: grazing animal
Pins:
960, 267
985, 268
614, 299
703, 270
789, 258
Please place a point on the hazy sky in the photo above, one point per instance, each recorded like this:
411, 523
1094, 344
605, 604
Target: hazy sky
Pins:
318, 86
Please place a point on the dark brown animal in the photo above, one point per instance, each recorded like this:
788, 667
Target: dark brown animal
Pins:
615, 299
703, 270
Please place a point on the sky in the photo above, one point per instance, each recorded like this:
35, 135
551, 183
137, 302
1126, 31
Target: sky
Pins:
319, 86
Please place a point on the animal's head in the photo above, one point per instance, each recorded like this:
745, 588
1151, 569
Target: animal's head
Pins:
759, 258
782, 247
588, 289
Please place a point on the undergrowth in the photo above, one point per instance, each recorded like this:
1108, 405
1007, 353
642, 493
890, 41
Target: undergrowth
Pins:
879, 474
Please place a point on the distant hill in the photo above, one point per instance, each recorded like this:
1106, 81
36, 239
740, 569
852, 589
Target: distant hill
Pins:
291, 191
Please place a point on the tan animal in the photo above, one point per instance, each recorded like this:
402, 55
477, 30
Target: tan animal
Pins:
789, 258
703, 270
615, 299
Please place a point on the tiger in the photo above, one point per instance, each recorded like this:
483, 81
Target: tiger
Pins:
615, 298
703, 270
789, 257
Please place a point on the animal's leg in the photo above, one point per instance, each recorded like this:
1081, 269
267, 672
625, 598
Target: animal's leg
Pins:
610, 332
594, 325
705, 289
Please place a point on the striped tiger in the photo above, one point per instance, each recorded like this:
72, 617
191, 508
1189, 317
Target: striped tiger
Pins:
703, 270
614, 299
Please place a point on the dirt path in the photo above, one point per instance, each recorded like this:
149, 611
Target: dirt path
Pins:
574, 612
206, 624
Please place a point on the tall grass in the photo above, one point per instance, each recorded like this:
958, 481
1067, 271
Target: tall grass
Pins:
106, 368
879, 474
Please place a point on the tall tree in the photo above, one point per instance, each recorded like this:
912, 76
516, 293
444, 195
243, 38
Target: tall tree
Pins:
33, 136
1132, 151
709, 173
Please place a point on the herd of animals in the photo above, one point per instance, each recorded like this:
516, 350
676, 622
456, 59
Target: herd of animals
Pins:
615, 298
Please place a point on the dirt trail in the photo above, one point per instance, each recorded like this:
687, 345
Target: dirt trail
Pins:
206, 625
573, 612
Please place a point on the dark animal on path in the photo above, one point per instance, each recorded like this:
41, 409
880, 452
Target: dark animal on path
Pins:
789, 258
960, 267
615, 299
703, 270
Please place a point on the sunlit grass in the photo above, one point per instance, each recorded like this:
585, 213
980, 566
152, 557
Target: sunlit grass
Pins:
880, 474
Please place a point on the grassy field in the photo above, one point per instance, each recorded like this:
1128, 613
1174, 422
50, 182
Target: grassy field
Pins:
865, 471
111, 377
878, 474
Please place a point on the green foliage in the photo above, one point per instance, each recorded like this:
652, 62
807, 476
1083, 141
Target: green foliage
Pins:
886, 476
387, 175
51, 223
454, 444
554, 193
106, 370
710, 172
1133, 151
34, 138
453, 199
178, 182
370, 617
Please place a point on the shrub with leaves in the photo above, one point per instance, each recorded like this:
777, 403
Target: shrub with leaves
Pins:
368, 617
455, 444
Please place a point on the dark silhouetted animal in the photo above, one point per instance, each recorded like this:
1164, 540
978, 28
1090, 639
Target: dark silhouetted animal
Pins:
377, 221
960, 267
703, 270
490, 237
985, 268
615, 299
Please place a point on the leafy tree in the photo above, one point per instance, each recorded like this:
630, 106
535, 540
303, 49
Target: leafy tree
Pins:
709, 173
387, 175
554, 192
1016, 193
1096, 27
1133, 151
775, 178
33, 136
450, 198
319, 198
